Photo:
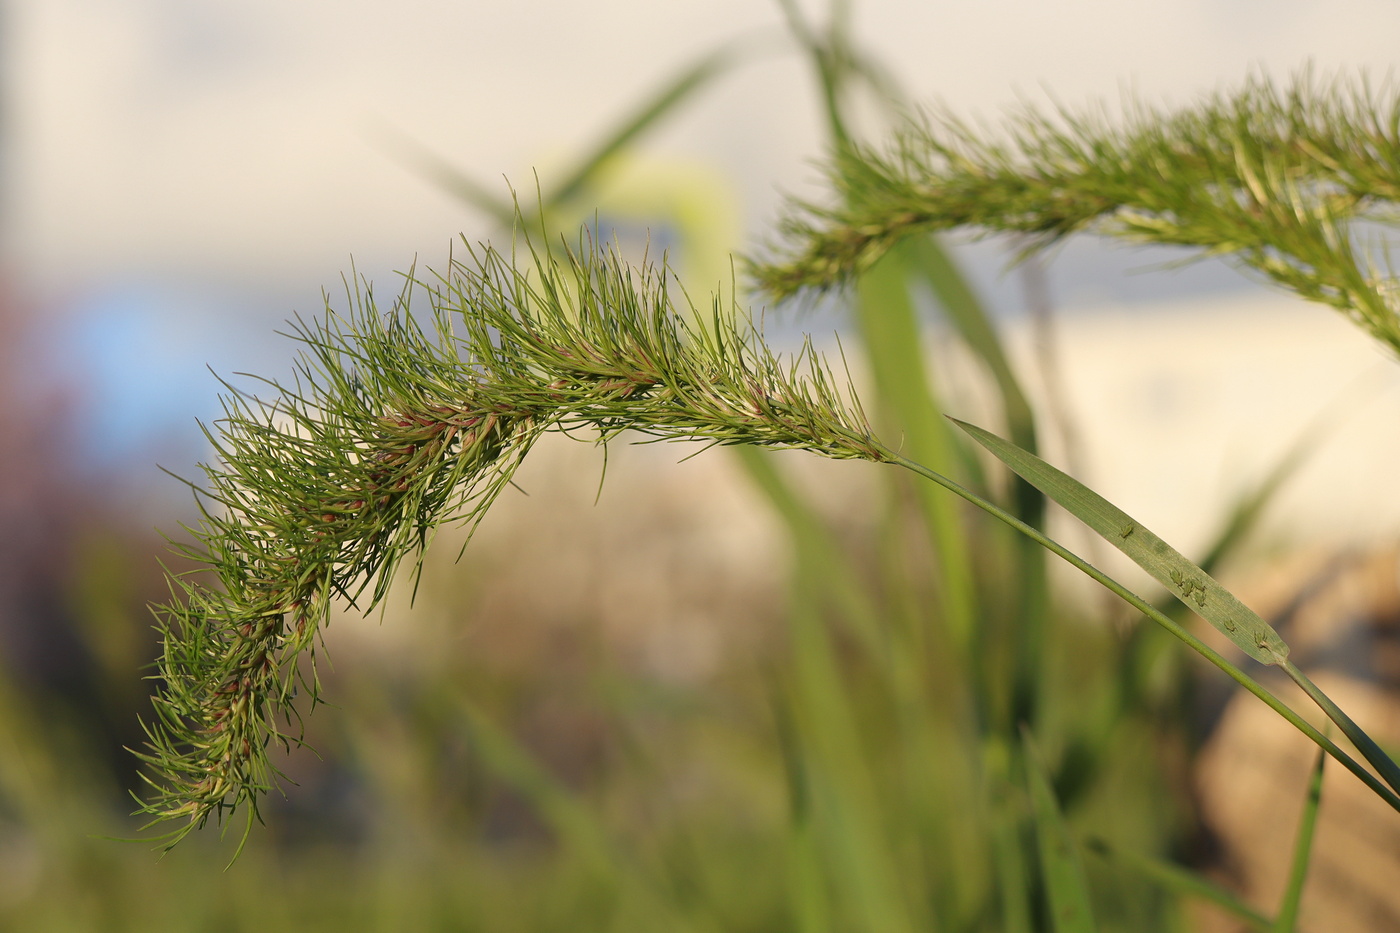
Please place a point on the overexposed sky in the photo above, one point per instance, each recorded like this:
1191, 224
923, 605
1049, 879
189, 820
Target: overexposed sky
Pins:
235, 137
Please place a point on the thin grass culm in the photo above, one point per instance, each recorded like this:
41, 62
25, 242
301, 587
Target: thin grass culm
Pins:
390, 429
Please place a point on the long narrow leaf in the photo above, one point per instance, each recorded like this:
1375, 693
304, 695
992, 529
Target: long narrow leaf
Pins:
1177, 631
1302, 853
451, 179
1066, 889
1183, 883
1192, 585
808, 890
1367, 746
1010, 857
890, 331
841, 777
445, 175
934, 266
672, 94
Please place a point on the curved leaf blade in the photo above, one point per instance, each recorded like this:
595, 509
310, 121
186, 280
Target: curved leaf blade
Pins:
1197, 589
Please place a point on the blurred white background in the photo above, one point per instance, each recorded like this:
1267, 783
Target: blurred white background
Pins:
182, 176
234, 138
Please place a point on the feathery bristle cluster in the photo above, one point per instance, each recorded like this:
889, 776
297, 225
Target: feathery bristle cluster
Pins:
1273, 178
390, 430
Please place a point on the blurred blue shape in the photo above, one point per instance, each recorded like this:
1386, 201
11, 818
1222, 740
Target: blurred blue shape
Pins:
135, 360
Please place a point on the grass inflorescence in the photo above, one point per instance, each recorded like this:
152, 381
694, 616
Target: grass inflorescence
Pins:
1275, 177
388, 430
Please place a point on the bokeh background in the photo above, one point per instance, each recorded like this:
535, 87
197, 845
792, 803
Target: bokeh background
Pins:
177, 179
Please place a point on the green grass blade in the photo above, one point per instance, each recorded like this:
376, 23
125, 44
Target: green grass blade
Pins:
839, 851
1367, 746
818, 557
447, 177
933, 266
808, 890
457, 183
890, 331
1061, 869
1287, 920
844, 791
1183, 883
661, 104
1192, 585
1142, 650
930, 265
1249, 508
1171, 625
1243, 518
576, 825
1009, 855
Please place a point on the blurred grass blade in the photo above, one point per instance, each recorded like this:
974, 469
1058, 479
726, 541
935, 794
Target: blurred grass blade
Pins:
1183, 883
933, 266
1061, 869
1006, 818
930, 265
672, 94
1014, 886
806, 882
1248, 509
454, 181
830, 57
443, 174
1192, 585
1287, 920
575, 824
838, 775
890, 332
818, 557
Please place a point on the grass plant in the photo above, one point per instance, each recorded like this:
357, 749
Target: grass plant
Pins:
926, 730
